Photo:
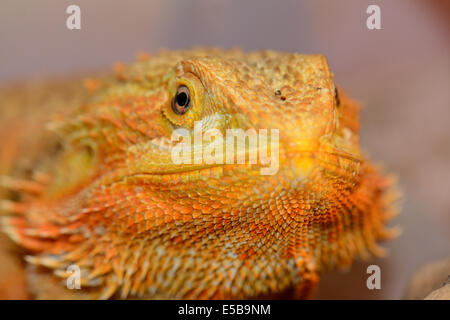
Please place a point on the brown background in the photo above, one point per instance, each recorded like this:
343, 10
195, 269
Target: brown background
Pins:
401, 74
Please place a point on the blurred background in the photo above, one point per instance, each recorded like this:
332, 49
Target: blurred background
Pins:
400, 74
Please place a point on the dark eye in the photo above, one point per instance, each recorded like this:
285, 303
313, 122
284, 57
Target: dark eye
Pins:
336, 97
181, 102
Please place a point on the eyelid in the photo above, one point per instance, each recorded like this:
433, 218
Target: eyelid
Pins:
191, 81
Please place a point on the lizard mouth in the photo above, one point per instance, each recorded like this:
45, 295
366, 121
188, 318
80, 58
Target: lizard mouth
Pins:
157, 163
201, 169
170, 176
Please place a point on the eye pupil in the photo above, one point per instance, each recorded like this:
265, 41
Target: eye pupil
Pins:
181, 101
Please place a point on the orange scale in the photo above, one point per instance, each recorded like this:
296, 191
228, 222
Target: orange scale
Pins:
130, 221
235, 211
217, 213
207, 209
131, 137
187, 218
139, 218
168, 219
196, 214
217, 220
226, 222
161, 205
142, 228
76, 238
111, 253
186, 210
176, 215
177, 207
197, 206
217, 205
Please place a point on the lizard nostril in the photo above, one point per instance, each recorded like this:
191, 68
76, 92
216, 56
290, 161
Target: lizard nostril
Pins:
278, 93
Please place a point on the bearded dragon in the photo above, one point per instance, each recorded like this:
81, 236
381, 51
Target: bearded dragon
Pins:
87, 180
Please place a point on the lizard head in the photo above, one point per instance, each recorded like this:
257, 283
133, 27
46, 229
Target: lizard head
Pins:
142, 220
286, 104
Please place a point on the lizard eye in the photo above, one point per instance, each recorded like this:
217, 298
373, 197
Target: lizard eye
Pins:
336, 97
181, 102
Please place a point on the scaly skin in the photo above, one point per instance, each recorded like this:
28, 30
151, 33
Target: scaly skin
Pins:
104, 194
